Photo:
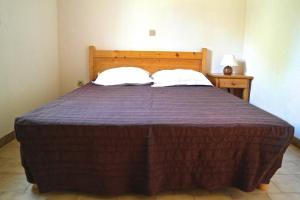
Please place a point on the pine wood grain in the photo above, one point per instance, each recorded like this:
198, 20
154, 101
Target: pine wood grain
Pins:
152, 61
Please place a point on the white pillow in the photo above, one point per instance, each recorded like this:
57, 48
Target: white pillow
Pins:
123, 76
175, 77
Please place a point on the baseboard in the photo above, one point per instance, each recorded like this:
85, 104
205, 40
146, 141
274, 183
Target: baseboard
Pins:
7, 138
296, 142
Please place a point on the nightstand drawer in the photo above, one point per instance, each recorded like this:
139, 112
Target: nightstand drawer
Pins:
236, 83
233, 83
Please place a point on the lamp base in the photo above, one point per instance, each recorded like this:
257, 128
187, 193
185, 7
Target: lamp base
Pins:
227, 70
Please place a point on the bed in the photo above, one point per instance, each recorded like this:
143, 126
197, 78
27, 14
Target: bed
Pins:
138, 139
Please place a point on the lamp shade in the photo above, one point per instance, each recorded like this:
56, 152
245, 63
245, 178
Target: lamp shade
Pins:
229, 60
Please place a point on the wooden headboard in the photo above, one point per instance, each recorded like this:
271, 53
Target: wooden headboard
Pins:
152, 61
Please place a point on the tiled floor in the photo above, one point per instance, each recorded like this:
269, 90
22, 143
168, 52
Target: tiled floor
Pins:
285, 184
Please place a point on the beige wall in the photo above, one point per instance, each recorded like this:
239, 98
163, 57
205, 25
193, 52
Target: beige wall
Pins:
272, 53
29, 73
123, 24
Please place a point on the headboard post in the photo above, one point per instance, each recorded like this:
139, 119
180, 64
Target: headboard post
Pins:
204, 57
92, 50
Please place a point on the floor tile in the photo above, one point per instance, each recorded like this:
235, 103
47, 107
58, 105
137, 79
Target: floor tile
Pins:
292, 154
171, 196
290, 167
295, 150
135, 197
287, 183
13, 183
285, 196
11, 165
273, 188
33, 193
213, 197
6, 152
62, 196
95, 197
20, 196
251, 196
13, 144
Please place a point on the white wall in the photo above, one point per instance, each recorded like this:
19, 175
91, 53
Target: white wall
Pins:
272, 53
29, 72
123, 24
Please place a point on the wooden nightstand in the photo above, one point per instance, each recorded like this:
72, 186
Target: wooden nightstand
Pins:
232, 82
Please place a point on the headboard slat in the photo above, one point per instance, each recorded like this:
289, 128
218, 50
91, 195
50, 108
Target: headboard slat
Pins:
148, 54
100, 60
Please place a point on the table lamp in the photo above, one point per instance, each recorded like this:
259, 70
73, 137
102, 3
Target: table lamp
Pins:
228, 61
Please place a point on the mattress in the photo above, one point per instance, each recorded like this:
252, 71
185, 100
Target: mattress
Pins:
120, 139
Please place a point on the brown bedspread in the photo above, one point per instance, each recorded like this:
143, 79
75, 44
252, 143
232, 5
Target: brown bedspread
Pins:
119, 139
